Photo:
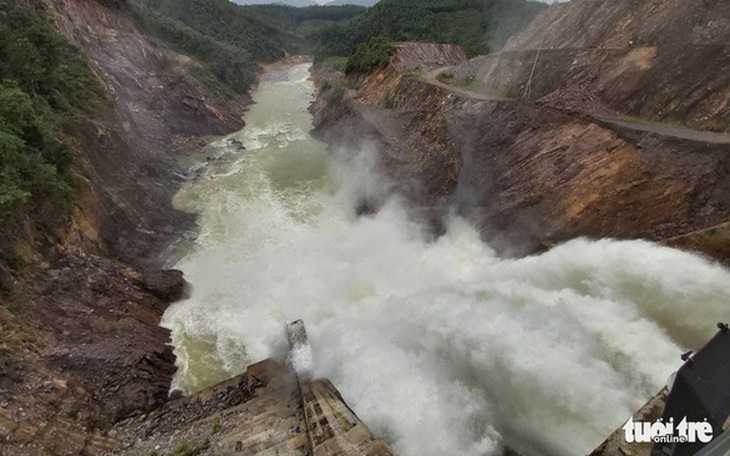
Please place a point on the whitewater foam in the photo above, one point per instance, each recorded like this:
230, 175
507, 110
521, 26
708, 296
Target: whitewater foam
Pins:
440, 346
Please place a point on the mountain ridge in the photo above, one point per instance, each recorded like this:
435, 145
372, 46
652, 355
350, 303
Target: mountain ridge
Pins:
305, 3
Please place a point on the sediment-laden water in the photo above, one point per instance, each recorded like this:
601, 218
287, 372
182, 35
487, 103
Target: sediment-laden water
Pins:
440, 346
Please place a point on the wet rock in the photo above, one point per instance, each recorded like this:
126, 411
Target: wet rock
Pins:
167, 285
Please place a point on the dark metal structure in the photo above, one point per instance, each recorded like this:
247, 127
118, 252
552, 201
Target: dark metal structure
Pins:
700, 394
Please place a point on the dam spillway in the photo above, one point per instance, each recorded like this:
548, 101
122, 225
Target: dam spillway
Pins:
440, 346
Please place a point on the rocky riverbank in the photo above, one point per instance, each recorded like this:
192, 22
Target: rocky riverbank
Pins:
82, 349
129, 164
80, 338
528, 174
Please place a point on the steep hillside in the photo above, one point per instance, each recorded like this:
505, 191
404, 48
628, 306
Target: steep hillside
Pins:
662, 61
46, 90
618, 23
98, 100
528, 174
317, 28
159, 110
230, 41
79, 316
228, 23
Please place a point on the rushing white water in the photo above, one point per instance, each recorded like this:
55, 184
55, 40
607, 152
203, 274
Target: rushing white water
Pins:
440, 346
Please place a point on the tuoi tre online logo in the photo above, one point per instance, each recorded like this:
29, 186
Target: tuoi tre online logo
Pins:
661, 432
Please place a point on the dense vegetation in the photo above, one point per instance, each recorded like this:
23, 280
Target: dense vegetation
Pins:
479, 26
46, 91
190, 27
371, 55
302, 21
230, 24
231, 40
319, 27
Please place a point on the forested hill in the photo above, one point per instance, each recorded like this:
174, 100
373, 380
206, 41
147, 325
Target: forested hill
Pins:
305, 22
367, 3
479, 26
231, 39
229, 23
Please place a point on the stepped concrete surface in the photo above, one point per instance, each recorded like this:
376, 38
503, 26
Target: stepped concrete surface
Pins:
271, 409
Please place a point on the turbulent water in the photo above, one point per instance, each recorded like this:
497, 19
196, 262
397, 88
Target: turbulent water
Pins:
440, 346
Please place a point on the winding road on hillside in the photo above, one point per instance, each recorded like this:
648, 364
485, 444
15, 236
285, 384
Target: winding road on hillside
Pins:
674, 131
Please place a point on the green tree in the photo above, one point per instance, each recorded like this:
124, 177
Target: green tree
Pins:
46, 90
371, 55
479, 26
32, 166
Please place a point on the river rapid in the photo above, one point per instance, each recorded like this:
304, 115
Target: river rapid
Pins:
440, 346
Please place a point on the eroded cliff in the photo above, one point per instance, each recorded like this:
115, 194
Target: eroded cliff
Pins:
79, 330
160, 112
663, 61
530, 174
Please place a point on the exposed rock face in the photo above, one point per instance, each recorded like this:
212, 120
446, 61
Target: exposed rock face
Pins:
160, 112
713, 242
616, 23
85, 351
409, 56
667, 61
529, 174
568, 177
80, 342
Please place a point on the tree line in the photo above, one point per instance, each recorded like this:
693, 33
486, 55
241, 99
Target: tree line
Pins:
231, 40
479, 26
